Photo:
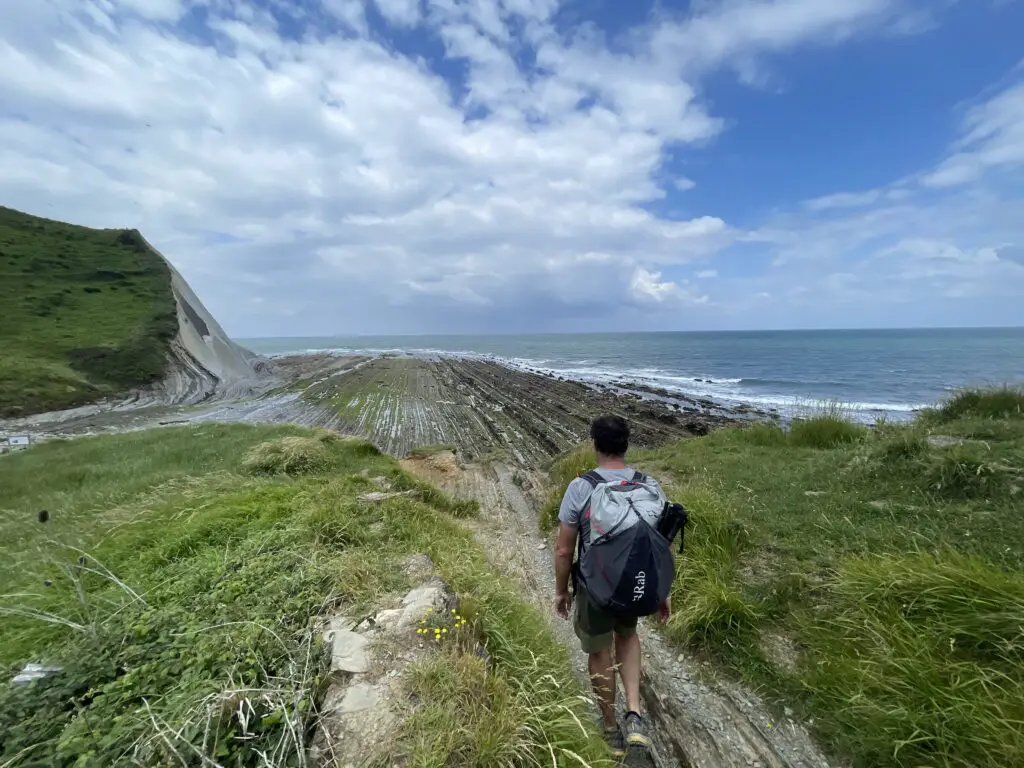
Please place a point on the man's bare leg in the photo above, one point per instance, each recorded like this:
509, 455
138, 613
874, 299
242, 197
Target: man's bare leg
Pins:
627, 657
602, 677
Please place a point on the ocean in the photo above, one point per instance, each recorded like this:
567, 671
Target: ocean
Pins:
872, 372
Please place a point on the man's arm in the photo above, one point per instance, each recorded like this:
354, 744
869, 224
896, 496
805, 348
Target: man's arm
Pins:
565, 548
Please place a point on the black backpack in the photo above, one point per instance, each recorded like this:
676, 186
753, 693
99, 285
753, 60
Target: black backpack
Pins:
627, 566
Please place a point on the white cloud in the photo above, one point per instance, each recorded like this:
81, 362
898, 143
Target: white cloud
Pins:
742, 28
993, 138
648, 288
405, 13
157, 10
354, 186
351, 13
844, 200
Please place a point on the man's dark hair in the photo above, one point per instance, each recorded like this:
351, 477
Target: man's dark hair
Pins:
610, 435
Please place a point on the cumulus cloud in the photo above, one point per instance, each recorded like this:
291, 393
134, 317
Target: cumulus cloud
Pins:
341, 166
648, 288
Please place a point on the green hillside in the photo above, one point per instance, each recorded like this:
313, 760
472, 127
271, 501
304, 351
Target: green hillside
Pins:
178, 579
86, 313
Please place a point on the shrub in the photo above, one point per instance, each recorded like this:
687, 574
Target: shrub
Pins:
1006, 402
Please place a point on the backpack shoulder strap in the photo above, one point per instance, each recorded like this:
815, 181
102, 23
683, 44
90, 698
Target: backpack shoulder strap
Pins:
593, 479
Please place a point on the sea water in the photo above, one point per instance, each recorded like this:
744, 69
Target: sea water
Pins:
873, 372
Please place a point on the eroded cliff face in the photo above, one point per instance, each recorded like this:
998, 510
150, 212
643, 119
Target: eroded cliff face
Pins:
203, 362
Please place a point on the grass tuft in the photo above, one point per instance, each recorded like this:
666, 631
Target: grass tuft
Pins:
1006, 402
292, 455
762, 435
828, 428
900, 444
967, 471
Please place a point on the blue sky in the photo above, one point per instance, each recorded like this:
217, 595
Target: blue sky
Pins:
403, 166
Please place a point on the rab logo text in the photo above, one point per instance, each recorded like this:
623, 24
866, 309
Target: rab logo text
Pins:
638, 589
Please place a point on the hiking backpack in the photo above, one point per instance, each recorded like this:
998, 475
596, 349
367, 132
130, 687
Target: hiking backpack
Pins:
626, 565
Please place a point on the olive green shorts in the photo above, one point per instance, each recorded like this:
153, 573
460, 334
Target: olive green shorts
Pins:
595, 627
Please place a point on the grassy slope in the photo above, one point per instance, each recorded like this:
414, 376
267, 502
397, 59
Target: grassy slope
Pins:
176, 578
870, 580
87, 312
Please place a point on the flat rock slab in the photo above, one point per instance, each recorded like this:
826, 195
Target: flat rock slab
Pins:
358, 697
348, 649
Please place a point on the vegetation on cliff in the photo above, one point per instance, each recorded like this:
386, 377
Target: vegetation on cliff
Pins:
86, 313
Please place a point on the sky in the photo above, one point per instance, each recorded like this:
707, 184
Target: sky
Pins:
336, 167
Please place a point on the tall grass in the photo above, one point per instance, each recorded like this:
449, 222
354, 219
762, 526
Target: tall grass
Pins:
827, 426
918, 661
968, 472
1006, 402
762, 435
709, 607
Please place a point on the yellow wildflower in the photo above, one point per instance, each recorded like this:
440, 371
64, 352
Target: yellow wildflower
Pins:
445, 630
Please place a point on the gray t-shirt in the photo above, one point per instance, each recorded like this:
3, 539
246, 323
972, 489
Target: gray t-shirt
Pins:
578, 494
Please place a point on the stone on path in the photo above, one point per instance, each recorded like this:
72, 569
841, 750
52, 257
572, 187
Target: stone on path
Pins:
348, 649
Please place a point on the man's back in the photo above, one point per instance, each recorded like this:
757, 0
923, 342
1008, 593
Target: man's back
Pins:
599, 630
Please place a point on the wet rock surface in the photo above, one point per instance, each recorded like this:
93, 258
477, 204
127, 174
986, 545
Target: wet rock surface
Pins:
481, 407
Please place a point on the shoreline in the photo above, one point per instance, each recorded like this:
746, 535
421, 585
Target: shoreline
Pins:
403, 401
782, 407
692, 389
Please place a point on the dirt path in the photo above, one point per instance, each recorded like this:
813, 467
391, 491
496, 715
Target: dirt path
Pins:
698, 721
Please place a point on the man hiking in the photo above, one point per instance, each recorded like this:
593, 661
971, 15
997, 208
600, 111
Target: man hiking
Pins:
605, 512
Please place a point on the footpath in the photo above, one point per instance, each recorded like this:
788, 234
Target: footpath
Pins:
697, 719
